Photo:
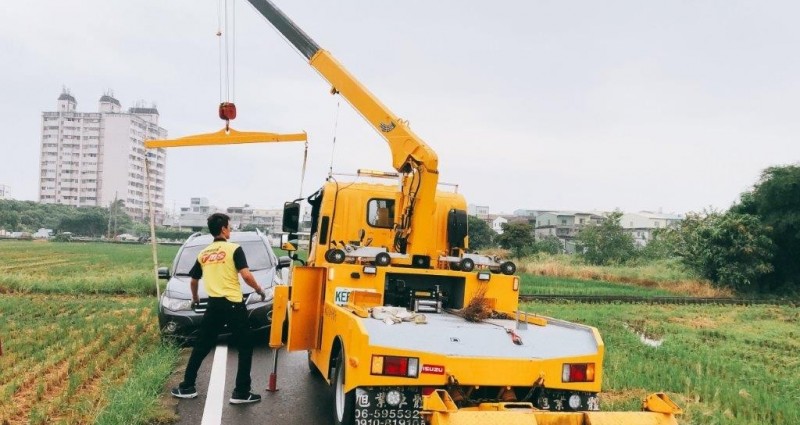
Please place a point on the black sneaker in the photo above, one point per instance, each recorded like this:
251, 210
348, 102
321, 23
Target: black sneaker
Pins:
187, 392
245, 398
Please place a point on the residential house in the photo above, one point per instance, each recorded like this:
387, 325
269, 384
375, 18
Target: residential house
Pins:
497, 223
565, 225
644, 224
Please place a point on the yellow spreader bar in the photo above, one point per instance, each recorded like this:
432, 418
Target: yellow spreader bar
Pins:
222, 137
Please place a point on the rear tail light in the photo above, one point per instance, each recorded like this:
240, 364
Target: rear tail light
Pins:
428, 390
395, 366
577, 372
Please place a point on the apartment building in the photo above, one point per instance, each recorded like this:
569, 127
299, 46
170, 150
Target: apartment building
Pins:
5, 191
94, 158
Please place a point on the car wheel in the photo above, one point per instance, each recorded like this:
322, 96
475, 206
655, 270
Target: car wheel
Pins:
343, 402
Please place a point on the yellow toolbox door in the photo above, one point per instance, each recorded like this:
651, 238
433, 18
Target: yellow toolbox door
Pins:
305, 307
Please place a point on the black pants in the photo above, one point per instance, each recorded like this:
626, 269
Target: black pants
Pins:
219, 312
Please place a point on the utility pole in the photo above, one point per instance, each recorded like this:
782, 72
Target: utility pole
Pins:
152, 222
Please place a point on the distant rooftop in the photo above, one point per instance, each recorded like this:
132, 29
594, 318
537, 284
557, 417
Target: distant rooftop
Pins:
67, 96
107, 98
152, 111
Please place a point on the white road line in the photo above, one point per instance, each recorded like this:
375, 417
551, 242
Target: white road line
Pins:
212, 413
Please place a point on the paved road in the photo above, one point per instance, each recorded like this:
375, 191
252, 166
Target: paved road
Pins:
303, 398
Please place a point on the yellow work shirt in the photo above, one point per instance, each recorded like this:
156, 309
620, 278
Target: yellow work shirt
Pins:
220, 276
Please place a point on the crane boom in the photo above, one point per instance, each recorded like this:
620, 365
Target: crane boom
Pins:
410, 154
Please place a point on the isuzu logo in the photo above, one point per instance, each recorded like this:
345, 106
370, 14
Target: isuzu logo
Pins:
432, 369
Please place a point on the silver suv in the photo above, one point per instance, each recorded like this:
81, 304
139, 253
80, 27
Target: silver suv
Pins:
180, 320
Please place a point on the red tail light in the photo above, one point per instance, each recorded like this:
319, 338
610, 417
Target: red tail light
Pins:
428, 390
395, 366
577, 372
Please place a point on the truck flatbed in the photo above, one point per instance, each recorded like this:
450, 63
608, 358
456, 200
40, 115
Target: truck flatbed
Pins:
451, 335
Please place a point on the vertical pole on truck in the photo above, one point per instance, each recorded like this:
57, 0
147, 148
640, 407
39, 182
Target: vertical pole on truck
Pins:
273, 377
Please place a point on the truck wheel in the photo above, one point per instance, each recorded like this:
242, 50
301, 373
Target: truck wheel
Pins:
343, 403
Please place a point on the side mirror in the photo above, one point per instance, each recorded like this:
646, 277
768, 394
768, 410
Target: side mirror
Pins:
457, 229
284, 261
163, 272
291, 217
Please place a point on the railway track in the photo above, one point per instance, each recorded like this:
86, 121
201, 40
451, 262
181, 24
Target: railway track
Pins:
601, 299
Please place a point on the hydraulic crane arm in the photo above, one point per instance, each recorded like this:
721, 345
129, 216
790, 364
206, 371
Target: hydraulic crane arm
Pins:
406, 146
410, 154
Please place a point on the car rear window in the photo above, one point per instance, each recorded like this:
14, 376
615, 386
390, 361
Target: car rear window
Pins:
256, 253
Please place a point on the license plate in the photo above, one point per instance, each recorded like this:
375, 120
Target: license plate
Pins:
388, 406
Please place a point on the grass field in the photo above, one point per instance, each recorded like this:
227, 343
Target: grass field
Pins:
550, 285
664, 275
80, 268
722, 364
75, 359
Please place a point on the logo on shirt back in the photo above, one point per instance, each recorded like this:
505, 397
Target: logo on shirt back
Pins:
213, 257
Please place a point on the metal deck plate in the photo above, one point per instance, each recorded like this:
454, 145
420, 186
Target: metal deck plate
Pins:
451, 335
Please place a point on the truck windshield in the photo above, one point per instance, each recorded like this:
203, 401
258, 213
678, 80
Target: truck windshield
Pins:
256, 253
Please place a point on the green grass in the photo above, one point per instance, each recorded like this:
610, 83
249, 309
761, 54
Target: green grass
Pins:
549, 285
137, 399
80, 268
668, 275
722, 364
63, 355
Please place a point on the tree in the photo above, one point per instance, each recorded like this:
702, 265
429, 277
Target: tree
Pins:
729, 249
480, 234
517, 236
89, 221
663, 244
606, 243
250, 228
9, 220
775, 200
549, 245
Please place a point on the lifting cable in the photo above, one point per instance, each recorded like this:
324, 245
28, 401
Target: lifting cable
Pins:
226, 33
335, 130
226, 24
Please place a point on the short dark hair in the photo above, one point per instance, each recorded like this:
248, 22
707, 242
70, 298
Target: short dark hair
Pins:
216, 222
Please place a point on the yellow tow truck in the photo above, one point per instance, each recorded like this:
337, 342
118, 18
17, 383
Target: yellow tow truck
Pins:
406, 324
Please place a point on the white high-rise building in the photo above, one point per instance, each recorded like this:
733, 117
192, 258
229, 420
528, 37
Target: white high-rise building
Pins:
93, 158
5, 192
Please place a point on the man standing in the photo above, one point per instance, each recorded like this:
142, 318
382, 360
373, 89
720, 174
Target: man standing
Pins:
220, 264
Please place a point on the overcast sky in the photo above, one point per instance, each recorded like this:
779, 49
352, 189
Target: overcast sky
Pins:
637, 105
